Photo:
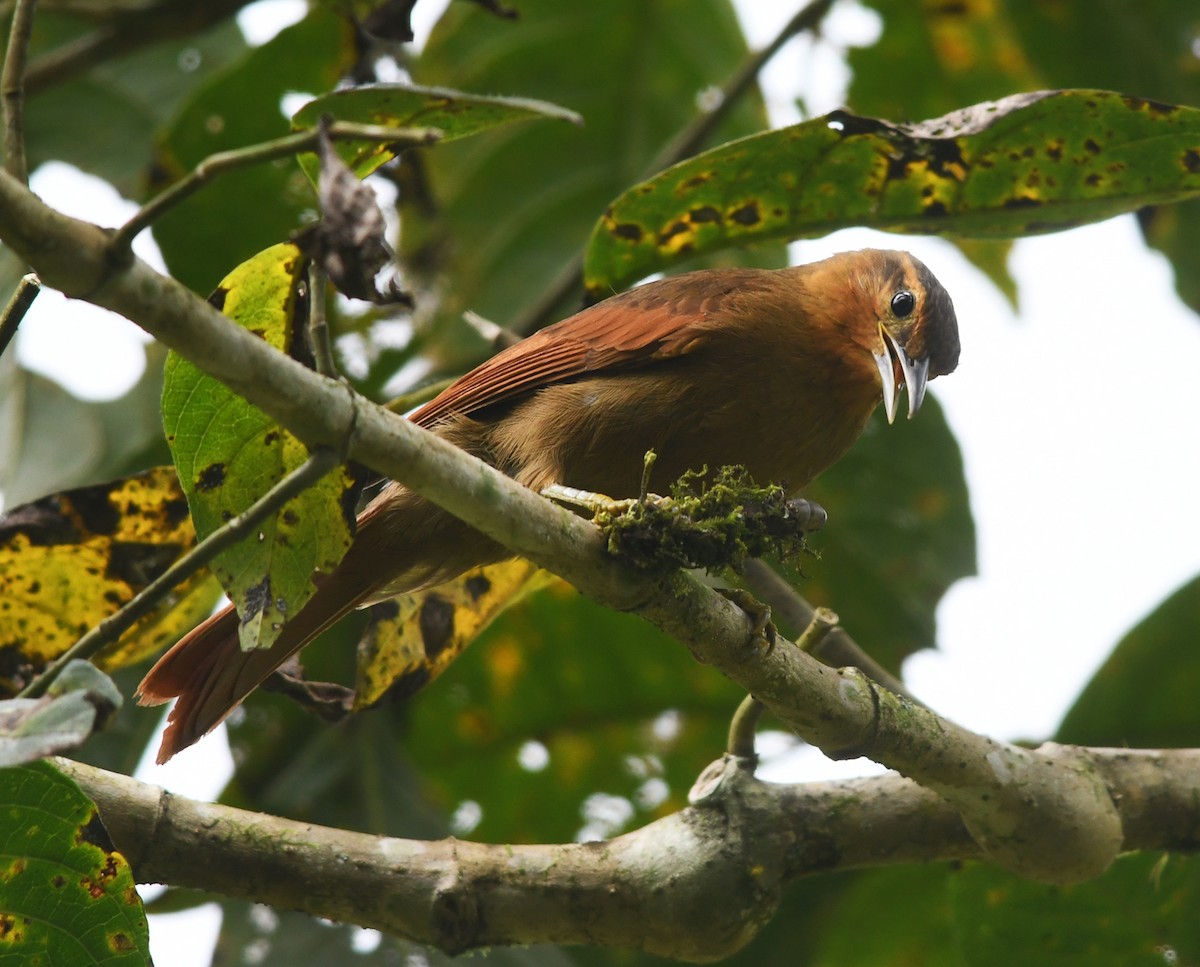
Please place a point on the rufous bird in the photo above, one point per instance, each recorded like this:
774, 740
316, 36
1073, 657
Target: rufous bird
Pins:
776, 371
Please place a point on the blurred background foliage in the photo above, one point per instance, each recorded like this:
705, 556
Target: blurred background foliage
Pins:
565, 719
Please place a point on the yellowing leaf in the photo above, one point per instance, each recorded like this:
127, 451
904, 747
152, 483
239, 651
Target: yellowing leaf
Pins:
1035, 162
72, 559
414, 638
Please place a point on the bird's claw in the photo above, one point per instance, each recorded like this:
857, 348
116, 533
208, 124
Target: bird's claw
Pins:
762, 630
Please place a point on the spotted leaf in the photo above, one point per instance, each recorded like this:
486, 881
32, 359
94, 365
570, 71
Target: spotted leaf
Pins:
66, 895
228, 454
1030, 163
70, 560
414, 638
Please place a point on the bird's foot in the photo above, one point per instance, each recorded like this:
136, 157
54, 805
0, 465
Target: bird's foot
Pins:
762, 629
599, 503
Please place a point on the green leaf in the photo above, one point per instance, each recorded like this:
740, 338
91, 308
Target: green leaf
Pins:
66, 897
1137, 912
228, 454
1144, 695
899, 534
455, 114
1030, 163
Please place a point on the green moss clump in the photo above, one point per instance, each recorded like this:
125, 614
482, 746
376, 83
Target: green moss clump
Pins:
711, 521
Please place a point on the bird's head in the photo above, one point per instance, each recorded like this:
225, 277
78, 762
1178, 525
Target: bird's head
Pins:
916, 331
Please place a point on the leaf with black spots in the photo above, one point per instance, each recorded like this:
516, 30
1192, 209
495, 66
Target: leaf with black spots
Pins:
1030, 163
412, 639
70, 560
228, 454
66, 896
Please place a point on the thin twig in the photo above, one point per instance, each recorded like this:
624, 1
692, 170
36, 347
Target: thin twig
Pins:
224, 161
691, 139
836, 648
742, 727
320, 462
22, 298
12, 90
685, 144
318, 325
402, 404
822, 623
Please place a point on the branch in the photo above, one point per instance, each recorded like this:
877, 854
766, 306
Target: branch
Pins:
836, 648
729, 854
12, 90
1045, 814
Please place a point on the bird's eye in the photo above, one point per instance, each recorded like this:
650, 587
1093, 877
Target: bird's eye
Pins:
903, 303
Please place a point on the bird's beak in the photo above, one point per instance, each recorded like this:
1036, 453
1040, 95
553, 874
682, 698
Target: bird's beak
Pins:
912, 373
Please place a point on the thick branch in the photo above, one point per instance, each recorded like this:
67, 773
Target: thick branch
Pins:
457, 895
1043, 815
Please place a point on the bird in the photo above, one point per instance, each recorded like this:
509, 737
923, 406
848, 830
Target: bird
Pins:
773, 370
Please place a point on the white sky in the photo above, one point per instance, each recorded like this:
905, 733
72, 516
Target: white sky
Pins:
1074, 419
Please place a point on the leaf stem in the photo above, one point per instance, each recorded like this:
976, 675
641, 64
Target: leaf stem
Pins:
745, 720
224, 161
320, 462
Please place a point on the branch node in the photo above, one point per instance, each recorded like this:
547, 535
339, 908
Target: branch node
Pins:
454, 916
721, 777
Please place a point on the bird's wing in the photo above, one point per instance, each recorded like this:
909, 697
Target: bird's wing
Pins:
657, 321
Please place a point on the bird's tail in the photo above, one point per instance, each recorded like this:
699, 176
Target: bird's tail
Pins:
403, 544
210, 674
